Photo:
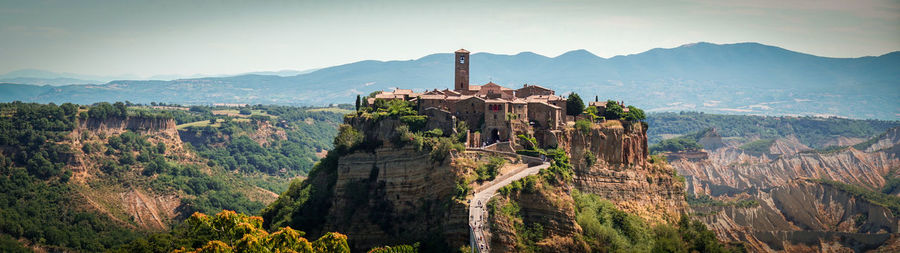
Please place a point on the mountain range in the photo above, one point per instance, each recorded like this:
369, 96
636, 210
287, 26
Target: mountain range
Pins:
742, 78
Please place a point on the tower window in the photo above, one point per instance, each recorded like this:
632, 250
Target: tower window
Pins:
462, 59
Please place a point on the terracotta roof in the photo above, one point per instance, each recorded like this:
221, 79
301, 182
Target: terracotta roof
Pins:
469, 97
402, 91
534, 86
492, 84
519, 101
450, 92
388, 95
474, 87
543, 103
598, 104
432, 96
432, 92
494, 100
462, 51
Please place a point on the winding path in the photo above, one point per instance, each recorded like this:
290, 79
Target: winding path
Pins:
478, 227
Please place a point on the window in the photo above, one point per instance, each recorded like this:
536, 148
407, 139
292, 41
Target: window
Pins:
462, 59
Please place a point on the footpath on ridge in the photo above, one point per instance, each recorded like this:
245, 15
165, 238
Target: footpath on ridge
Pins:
478, 227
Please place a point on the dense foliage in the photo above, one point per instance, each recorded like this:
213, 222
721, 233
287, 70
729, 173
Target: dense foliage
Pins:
609, 229
812, 131
40, 205
228, 231
36, 202
290, 138
677, 144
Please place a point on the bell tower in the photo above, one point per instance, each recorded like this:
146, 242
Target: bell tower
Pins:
461, 82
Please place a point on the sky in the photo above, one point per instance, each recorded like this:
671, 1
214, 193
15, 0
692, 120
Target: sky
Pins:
147, 38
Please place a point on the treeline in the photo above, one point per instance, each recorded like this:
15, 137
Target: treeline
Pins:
812, 131
228, 144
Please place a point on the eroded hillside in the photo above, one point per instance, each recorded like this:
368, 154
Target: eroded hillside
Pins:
793, 198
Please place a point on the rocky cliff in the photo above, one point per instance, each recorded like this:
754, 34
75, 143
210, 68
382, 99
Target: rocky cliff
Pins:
395, 195
610, 161
381, 192
621, 173
889, 139
804, 216
552, 209
730, 170
789, 212
135, 124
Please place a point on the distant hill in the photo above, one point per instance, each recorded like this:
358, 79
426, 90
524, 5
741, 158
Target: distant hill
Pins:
744, 78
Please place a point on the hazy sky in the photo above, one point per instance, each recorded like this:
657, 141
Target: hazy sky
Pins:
226, 37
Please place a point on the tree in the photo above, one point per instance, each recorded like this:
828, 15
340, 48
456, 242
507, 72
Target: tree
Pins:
574, 105
613, 110
245, 111
634, 113
357, 102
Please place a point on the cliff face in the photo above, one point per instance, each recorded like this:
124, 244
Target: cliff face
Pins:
622, 174
729, 170
395, 195
890, 139
551, 208
616, 145
387, 195
135, 124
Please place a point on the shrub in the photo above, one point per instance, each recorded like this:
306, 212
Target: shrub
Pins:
434, 133
589, 158
532, 153
529, 142
415, 122
347, 138
583, 126
491, 169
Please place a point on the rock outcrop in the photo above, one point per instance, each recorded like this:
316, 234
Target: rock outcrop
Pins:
552, 210
622, 174
730, 170
395, 195
804, 216
793, 213
890, 139
135, 124
610, 161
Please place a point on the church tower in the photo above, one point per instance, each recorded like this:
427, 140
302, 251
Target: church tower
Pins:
462, 70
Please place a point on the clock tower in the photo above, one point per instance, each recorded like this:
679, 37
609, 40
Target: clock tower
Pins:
461, 82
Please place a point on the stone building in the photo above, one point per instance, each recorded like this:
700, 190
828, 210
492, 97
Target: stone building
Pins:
492, 112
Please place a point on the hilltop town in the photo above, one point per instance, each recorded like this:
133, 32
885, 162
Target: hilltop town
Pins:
493, 113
